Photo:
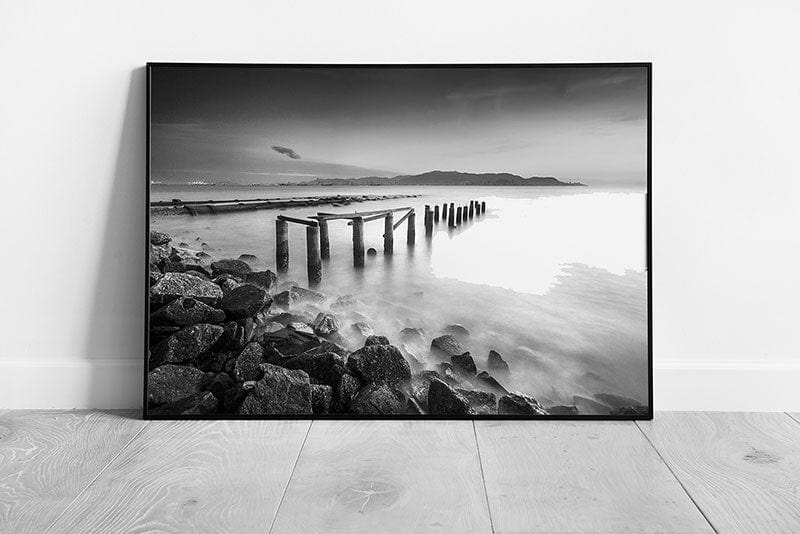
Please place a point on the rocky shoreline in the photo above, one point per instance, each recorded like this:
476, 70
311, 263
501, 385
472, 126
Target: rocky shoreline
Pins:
227, 339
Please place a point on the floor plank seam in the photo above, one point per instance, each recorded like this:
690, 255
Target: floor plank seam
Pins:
483, 477
677, 479
94, 479
289, 479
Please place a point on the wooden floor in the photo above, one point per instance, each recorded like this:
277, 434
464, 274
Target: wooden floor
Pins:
682, 472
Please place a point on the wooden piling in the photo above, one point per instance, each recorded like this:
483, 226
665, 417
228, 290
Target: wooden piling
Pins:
477, 208
471, 209
388, 235
428, 223
324, 240
411, 230
444, 211
436, 213
483, 207
313, 257
458, 216
358, 242
452, 215
281, 246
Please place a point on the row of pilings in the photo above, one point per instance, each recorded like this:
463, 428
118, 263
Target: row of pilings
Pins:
318, 237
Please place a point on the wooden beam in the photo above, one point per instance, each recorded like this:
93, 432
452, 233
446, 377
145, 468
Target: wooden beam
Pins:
313, 224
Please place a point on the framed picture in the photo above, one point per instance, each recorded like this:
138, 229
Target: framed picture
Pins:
398, 241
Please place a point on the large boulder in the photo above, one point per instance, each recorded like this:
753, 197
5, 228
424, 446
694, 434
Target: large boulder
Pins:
325, 324
170, 383
287, 343
248, 362
324, 368
519, 404
234, 267
458, 331
244, 301
279, 392
198, 404
480, 402
185, 311
446, 346
159, 238
380, 363
175, 285
496, 363
376, 340
321, 398
344, 392
444, 400
233, 338
186, 344
464, 364
266, 280
419, 385
486, 381
378, 399
215, 362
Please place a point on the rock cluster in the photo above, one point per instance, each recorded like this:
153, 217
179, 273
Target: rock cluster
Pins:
226, 339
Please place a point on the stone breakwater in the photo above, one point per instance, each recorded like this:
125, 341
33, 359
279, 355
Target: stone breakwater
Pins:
227, 339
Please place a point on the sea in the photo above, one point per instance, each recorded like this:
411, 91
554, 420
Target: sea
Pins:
552, 278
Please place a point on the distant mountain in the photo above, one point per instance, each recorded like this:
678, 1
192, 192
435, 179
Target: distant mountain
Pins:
447, 178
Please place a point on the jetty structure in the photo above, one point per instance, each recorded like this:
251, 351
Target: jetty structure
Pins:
318, 248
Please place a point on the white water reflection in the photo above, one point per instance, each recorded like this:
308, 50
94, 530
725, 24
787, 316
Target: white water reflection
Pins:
525, 244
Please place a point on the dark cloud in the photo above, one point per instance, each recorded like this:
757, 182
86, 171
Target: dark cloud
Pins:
286, 152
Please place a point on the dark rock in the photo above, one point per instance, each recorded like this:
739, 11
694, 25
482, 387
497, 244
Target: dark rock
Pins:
446, 346
378, 399
228, 285
362, 329
563, 410
325, 324
636, 410
486, 381
444, 400
186, 311
288, 318
186, 344
326, 345
285, 299
159, 253
199, 404
324, 368
215, 362
175, 285
372, 252
266, 280
287, 343
480, 402
616, 401
227, 276
183, 244
170, 383
279, 392
496, 363
344, 301
247, 363
220, 384
448, 373
420, 382
412, 335
344, 392
232, 338
159, 238
321, 398
160, 332
590, 407
458, 331
234, 267
376, 340
519, 404
413, 407
464, 364
307, 295
244, 301
380, 363
154, 275
194, 269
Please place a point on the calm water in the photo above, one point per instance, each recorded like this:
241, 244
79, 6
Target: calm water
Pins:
552, 278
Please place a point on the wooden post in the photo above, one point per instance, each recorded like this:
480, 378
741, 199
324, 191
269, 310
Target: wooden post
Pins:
358, 242
388, 234
324, 240
411, 230
313, 256
452, 215
281, 246
477, 208
444, 211
458, 216
483, 207
428, 223
471, 209
436, 213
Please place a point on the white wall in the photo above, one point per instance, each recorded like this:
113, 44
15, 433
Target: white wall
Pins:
725, 144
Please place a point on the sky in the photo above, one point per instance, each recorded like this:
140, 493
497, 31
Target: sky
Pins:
270, 124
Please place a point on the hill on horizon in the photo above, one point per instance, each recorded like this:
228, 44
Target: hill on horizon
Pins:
447, 178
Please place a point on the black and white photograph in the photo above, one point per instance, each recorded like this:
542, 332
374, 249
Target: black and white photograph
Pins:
410, 241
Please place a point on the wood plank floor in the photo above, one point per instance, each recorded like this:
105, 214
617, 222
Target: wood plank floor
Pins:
682, 472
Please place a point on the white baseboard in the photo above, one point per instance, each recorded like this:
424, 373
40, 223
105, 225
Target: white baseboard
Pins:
679, 385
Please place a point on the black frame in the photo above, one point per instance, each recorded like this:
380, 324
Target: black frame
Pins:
649, 250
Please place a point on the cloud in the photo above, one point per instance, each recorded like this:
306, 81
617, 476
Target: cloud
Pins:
286, 151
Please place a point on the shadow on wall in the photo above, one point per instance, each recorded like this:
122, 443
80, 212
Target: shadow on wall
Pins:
115, 333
